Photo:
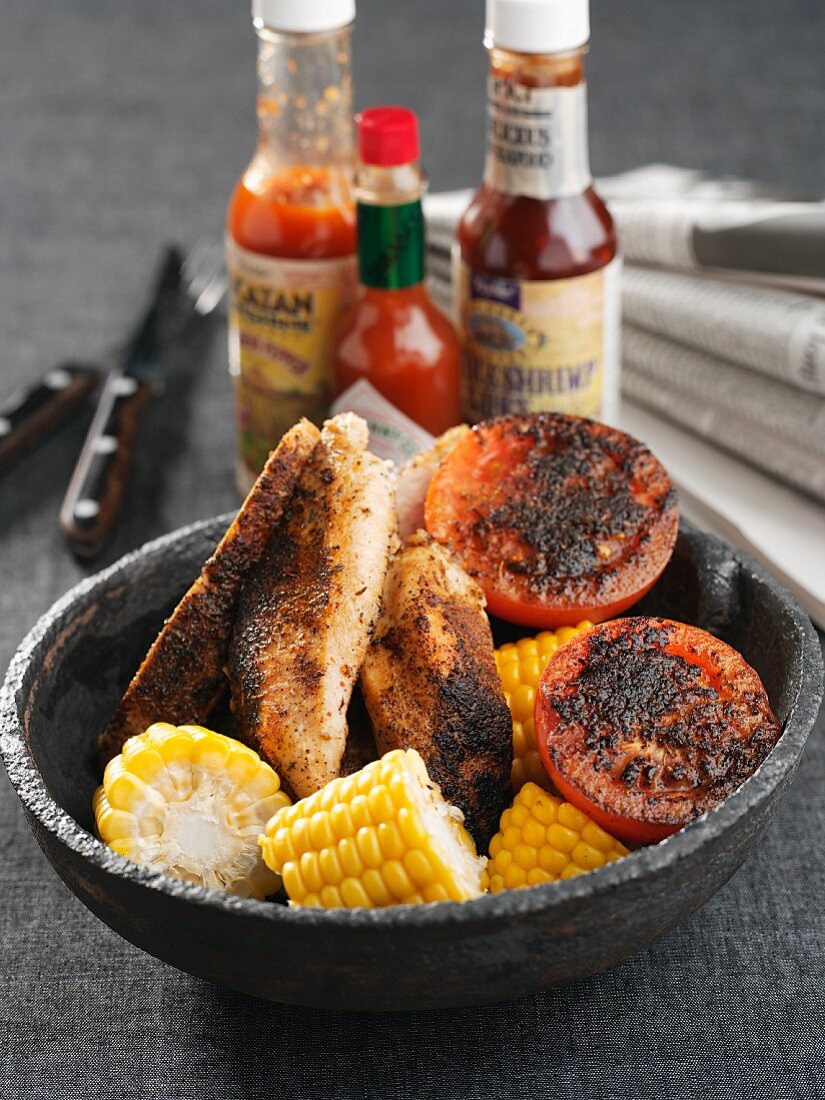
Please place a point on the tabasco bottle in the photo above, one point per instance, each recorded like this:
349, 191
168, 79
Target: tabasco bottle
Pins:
394, 336
291, 225
535, 262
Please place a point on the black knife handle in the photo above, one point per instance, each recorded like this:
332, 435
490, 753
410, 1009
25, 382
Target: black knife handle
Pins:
98, 485
32, 413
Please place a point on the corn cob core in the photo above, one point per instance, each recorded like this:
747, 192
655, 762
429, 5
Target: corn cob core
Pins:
542, 839
520, 665
191, 803
382, 836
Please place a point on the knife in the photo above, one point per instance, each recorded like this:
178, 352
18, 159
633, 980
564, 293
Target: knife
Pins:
98, 483
33, 412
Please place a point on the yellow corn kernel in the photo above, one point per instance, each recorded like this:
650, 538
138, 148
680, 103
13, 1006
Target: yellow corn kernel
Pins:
594, 835
571, 817
514, 877
382, 836
190, 803
416, 865
330, 898
542, 839
520, 665
562, 838
377, 889
320, 831
537, 876
587, 857
391, 841
402, 878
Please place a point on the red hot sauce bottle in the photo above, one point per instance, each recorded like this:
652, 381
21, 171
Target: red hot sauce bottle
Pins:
394, 336
536, 271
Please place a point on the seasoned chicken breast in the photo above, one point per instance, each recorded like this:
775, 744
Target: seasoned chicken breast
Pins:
414, 479
182, 676
307, 612
430, 683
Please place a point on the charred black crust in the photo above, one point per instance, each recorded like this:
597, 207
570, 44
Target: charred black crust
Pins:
292, 578
696, 739
472, 750
574, 493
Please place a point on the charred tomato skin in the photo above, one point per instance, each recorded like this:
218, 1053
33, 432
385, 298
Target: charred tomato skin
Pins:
558, 518
645, 724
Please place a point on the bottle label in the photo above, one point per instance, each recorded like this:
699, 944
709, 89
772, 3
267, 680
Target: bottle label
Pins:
390, 245
539, 345
393, 436
536, 139
282, 319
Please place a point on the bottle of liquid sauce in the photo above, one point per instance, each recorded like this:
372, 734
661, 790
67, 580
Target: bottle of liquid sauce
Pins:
394, 336
291, 225
535, 262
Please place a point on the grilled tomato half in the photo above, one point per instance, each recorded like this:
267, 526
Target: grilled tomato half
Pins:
559, 519
645, 724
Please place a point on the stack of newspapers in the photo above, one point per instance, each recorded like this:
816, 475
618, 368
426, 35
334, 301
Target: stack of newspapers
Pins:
723, 312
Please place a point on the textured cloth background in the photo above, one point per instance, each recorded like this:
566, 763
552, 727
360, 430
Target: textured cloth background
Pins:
127, 123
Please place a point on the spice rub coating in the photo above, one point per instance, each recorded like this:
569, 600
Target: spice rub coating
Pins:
182, 676
306, 614
430, 683
571, 514
670, 719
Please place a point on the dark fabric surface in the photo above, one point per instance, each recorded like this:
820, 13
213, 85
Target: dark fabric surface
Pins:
125, 124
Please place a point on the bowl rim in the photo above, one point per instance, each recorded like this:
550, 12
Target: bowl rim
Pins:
490, 909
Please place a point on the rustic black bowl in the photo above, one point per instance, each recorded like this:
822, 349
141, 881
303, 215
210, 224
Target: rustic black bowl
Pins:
69, 673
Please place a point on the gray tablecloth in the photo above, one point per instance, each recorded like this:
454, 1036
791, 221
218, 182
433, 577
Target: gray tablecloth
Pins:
125, 124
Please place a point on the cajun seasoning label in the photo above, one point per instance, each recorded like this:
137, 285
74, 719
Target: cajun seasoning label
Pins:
539, 345
282, 319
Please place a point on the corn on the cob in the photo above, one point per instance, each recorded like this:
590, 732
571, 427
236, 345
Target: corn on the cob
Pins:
191, 803
382, 836
542, 839
520, 665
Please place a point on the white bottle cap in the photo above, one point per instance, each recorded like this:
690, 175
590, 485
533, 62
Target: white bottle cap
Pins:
303, 16
537, 26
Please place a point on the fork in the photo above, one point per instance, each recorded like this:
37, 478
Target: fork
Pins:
183, 289
204, 274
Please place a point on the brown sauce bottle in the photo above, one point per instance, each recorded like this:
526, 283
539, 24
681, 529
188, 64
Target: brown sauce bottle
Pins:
535, 258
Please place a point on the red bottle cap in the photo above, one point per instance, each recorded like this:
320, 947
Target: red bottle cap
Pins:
388, 136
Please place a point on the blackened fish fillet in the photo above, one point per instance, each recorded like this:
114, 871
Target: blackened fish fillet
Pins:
182, 676
306, 614
430, 683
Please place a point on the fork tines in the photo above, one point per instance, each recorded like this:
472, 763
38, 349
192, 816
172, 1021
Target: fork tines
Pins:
204, 275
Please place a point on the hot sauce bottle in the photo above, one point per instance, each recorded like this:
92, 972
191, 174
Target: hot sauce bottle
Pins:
394, 336
535, 261
291, 225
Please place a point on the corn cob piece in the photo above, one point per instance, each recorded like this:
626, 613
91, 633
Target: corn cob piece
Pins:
542, 839
382, 836
520, 665
191, 803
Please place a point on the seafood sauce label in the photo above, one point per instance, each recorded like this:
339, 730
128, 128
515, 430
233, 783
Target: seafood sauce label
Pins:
540, 345
536, 139
282, 320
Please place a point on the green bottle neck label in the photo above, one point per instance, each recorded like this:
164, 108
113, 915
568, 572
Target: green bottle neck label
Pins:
391, 245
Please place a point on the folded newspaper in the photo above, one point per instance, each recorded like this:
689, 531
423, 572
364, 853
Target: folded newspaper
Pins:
775, 332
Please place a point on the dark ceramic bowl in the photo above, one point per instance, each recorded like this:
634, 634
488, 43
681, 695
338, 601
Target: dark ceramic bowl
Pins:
69, 673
